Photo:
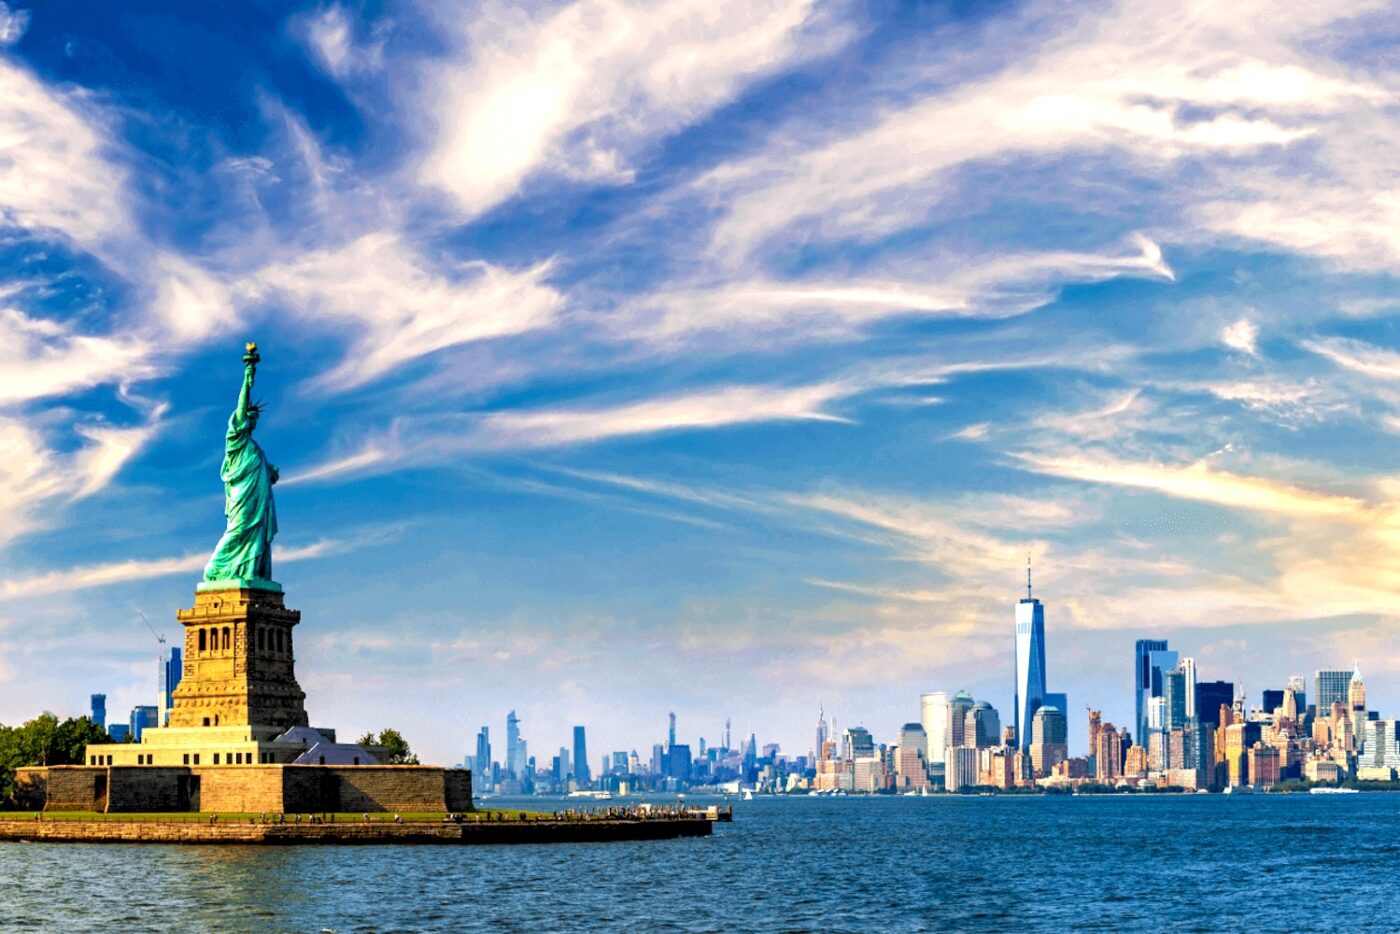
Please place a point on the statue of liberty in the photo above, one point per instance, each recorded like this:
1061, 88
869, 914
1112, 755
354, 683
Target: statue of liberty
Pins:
244, 553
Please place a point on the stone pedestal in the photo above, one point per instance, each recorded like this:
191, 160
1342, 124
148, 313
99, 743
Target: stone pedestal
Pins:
239, 662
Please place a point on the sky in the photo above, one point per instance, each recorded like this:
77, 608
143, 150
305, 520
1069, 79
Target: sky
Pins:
724, 357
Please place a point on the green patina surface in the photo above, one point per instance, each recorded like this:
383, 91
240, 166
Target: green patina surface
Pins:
240, 583
245, 550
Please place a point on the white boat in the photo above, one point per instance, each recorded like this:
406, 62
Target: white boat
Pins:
748, 794
1332, 791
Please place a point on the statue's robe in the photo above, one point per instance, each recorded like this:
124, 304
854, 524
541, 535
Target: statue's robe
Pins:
245, 551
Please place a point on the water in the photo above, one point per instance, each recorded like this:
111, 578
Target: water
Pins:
1191, 863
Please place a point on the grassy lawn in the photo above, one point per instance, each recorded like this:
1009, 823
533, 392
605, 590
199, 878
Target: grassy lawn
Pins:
358, 817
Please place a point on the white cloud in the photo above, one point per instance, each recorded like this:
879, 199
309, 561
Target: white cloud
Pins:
730, 405
35, 478
401, 309
55, 176
1242, 335
978, 431
447, 440
331, 35
1154, 83
1358, 356
44, 358
13, 23
1199, 481
119, 572
1000, 286
579, 91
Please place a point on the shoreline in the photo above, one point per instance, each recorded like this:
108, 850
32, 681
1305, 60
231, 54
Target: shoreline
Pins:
342, 833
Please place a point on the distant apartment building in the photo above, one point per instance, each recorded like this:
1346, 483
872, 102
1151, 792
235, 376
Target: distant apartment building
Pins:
960, 764
1108, 754
1264, 768
869, 774
1049, 740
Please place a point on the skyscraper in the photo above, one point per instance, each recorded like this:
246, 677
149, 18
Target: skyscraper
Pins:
934, 715
671, 731
99, 710
515, 747
143, 718
981, 726
1049, 739
1176, 690
821, 733
957, 719
581, 773
1108, 753
1151, 662
1188, 668
171, 670
1330, 687
482, 761
1298, 685
1060, 701
1029, 691
911, 764
1210, 695
1356, 701
857, 743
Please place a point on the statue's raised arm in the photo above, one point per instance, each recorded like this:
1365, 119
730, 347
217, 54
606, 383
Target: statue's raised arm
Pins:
244, 553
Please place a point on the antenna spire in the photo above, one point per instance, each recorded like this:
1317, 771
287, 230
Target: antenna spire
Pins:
1028, 575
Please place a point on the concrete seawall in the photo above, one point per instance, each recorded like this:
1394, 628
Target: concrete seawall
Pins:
378, 832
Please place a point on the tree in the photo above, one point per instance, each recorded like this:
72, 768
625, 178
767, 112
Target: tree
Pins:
393, 745
45, 741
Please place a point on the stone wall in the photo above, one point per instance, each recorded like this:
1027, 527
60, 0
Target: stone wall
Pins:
145, 788
390, 787
252, 789
458, 789
248, 789
231, 831
62, 787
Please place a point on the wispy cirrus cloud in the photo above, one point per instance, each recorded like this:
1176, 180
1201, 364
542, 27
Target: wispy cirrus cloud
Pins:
13, 24
1157, 86
1358, 356
37, 481
403, 308
1200, 481
721, 407
578, 90
330, 33
410, 442
118, 572
990, 287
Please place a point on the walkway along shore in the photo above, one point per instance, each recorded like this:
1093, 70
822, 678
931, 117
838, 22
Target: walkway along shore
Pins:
545, 829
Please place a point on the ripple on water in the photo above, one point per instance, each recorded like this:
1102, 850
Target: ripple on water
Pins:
806, 864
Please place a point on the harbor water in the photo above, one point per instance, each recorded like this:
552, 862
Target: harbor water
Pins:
1113, 863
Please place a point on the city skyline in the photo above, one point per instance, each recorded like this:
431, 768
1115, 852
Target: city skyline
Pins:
721, 358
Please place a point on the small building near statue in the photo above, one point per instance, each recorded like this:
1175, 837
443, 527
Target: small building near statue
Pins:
239, 739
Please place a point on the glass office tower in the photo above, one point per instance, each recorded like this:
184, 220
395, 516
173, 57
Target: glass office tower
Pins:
1029, 692
1151, 662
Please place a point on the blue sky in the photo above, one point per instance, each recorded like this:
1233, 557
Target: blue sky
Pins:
723, 357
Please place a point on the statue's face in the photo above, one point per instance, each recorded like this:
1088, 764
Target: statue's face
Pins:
253, 418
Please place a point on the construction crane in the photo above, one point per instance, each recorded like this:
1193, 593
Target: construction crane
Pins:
160, 637
161, 676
